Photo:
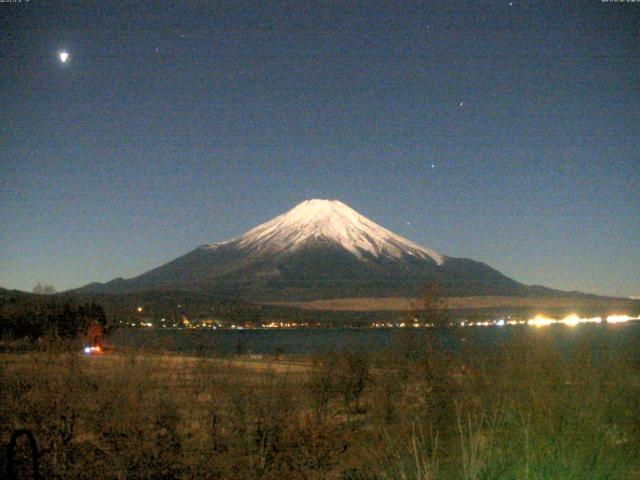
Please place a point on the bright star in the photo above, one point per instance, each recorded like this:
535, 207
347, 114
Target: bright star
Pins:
64, 56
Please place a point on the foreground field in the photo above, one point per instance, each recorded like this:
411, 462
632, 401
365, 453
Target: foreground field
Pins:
418, 411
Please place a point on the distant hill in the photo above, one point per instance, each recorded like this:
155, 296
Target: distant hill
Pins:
173, 306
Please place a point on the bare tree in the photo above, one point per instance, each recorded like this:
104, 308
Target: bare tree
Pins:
431, 308
44, 289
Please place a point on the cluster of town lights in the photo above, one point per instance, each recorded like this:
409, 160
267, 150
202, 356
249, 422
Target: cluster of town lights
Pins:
573, 320
543, 321
537, 321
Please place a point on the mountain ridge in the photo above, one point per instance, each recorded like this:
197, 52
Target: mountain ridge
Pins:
320, 249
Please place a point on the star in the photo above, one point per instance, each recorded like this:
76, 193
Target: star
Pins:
64, 56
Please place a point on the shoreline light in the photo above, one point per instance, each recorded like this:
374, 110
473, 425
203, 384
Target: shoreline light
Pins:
620, 318
541, 321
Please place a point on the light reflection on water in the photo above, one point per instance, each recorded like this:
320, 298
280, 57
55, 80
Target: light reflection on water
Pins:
303, 341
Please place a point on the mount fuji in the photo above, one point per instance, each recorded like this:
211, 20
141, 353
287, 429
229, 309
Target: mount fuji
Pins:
320, 249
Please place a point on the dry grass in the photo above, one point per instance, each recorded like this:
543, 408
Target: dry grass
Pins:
527, 410
462, 303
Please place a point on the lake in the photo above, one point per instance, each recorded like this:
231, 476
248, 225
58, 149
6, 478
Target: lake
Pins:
310, 340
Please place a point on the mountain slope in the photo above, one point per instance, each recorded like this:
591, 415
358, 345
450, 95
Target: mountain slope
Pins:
331, 221
320, 249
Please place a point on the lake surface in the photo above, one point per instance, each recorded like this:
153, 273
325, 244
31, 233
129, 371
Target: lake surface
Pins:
312, 340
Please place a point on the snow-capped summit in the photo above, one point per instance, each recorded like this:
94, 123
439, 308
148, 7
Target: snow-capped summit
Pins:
328, 221
318, 249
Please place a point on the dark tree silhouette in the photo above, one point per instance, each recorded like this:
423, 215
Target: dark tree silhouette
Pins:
431, 308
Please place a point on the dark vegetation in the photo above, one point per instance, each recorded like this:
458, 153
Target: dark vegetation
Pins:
27, 321
174, 305
418, 411
529, 409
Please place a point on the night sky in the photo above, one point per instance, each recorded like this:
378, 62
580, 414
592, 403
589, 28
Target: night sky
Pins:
507, 132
